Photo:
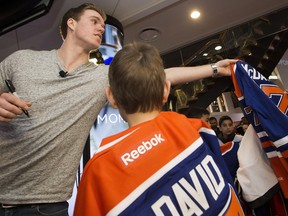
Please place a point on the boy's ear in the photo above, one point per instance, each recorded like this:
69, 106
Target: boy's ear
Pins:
110, 97
166, 91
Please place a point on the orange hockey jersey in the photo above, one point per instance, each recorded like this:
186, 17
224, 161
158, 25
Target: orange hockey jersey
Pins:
170, 165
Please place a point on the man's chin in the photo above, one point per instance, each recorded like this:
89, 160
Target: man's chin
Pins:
96, 44
99, 41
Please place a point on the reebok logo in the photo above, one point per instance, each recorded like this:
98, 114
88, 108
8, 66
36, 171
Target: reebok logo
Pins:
144, 147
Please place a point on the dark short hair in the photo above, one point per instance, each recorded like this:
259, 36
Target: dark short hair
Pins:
212, 118
223, 118
75, 14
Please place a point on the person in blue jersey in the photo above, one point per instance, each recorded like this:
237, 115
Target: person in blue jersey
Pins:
229, 143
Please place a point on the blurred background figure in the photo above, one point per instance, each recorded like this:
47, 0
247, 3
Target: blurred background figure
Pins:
242, 126
197, 112
214, 125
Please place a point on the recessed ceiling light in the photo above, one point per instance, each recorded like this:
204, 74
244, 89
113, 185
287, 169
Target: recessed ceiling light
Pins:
205, 54
149, 34
195, 14
218, 47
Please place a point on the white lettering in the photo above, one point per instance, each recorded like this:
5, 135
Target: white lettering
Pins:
142, 149
253, 73
134, 154
209, 161
187, 205
147, 145
197, 193
191, 198
126, 158
156, 207
111, 118
154, 141
207, 181
100, 119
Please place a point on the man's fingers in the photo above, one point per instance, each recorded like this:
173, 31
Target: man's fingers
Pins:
9, 106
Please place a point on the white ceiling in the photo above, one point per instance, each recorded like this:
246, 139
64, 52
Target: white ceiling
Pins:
170, 17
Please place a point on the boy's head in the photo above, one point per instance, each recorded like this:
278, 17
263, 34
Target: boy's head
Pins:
226, 125
75, 13
137, 79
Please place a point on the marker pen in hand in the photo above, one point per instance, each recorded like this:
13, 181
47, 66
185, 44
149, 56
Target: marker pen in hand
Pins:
13, 91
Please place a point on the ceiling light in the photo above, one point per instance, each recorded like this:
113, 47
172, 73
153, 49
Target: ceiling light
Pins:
218, 47
149, 34
195, 14
205, 54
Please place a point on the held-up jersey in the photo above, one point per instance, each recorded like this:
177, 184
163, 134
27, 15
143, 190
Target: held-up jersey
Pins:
266, 107
170, 165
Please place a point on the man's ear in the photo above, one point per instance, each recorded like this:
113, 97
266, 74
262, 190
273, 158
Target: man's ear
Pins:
110, 97
166, 91
71, 23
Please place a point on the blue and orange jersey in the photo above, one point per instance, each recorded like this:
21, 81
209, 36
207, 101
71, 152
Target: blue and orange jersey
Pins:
266, 107
170, 165
229, 153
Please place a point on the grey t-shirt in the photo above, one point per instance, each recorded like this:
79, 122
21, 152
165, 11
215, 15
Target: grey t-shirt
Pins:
40, 155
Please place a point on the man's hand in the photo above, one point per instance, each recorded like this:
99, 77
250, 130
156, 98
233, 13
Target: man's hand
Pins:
10, 106
224, 66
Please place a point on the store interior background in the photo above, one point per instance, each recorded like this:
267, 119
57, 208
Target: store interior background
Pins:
255, 31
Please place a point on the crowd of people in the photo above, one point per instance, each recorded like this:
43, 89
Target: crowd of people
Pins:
230, 134
225, 128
